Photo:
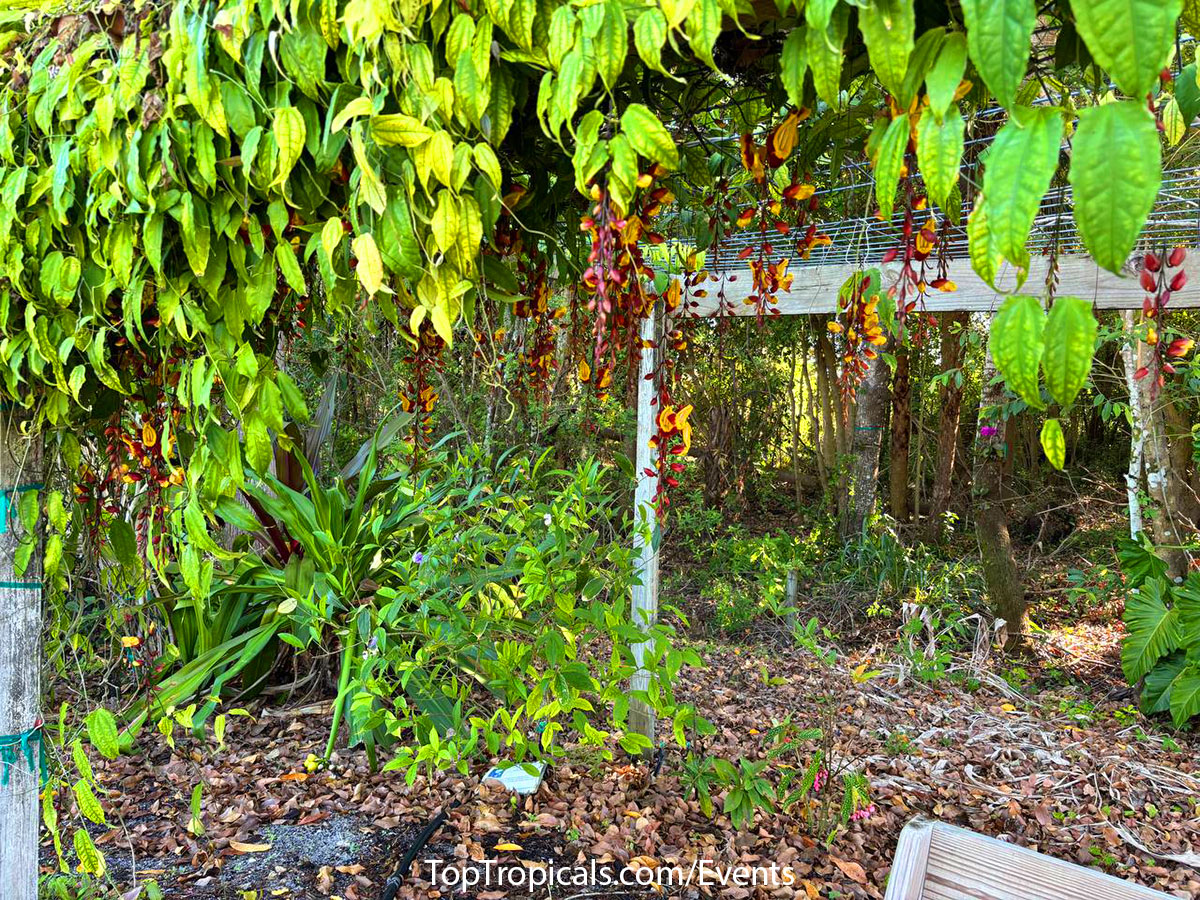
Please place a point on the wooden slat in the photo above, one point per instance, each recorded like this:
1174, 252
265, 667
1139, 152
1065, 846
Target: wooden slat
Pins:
907, 879
963, 865
814, 289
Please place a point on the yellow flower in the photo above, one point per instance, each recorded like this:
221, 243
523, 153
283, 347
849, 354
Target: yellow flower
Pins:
130, 641
584, 371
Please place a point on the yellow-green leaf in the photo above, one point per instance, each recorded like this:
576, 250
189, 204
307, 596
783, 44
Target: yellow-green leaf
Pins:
1116, 172
370, 265
939, 152
888, 28
888, 164
399, 130
1017, 339
288, 128
998, 34
1070, 342
648, 136
1054, 445
1130, 39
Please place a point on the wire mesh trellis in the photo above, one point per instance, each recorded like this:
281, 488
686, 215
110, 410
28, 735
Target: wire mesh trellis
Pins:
1175, 220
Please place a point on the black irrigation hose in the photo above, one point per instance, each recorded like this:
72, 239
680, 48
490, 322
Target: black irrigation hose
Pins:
392, 886
658, 760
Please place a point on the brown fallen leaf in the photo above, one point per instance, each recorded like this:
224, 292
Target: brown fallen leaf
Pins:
294, 776
249, 848
851, 870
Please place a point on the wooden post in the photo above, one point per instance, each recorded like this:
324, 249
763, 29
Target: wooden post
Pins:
1133, 476
20, 661
645, 520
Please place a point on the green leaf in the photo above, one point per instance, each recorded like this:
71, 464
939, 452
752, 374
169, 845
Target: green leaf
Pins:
257, 442
102, 732
193, 224
288, 128
888, 28
1187, 93
703, 29
942, 81
124, 544
648, 136
1156, 690
398, 130
793, 65
1017, 341
1185, 695
370, 265
1070, 341
649, 36
825, 51
91, 861
1130, 39
1116, 173
924, 53
1152, 630
89, 806
1017, 172
999, 35
888, 164
1054, 445
611, 43
939, 152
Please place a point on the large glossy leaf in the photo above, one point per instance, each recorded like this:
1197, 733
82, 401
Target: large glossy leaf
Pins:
1152, 630
1116, 172
825, 51
1131, 39
888, 28
1156, 690
939, 152
793, 64
1017, 340
1185, 695
1070, 342
1017, 172
998, 34
888, 164
648, 136
943, 79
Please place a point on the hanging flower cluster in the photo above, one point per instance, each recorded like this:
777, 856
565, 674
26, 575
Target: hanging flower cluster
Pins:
860, 327
1160, 281
617, 278
536, 357
419, 396
918, 273
770, 276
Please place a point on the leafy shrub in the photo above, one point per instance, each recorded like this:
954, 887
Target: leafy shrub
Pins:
1161, 649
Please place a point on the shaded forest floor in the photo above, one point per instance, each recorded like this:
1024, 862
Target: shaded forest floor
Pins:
1047, 751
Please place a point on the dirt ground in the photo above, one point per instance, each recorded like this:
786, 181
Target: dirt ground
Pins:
1048, 766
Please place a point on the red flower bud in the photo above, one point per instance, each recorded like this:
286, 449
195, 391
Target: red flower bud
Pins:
1151, 262
1178, 255
1179, 281
1149, 282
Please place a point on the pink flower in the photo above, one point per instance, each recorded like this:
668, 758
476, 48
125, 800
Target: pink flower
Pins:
987, 431
865, 813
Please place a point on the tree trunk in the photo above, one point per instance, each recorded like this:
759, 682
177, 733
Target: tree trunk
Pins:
1006, 593
1165, 487
901, 430
20, 661
868, 436
952, 395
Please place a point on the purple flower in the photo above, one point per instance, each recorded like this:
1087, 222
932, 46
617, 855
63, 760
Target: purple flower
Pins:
418, 558
987, 431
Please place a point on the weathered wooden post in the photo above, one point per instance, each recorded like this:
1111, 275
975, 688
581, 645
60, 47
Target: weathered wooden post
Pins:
1137, 440
20, 661
645, 521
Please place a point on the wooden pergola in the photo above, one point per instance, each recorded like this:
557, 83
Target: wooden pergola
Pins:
814, 291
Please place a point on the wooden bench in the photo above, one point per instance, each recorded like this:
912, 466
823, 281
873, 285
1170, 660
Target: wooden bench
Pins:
935, 861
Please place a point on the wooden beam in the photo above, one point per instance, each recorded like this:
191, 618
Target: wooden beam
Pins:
815, 288
645, 520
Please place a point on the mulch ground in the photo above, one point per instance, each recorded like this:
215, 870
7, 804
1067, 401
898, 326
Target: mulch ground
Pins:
1085, 780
